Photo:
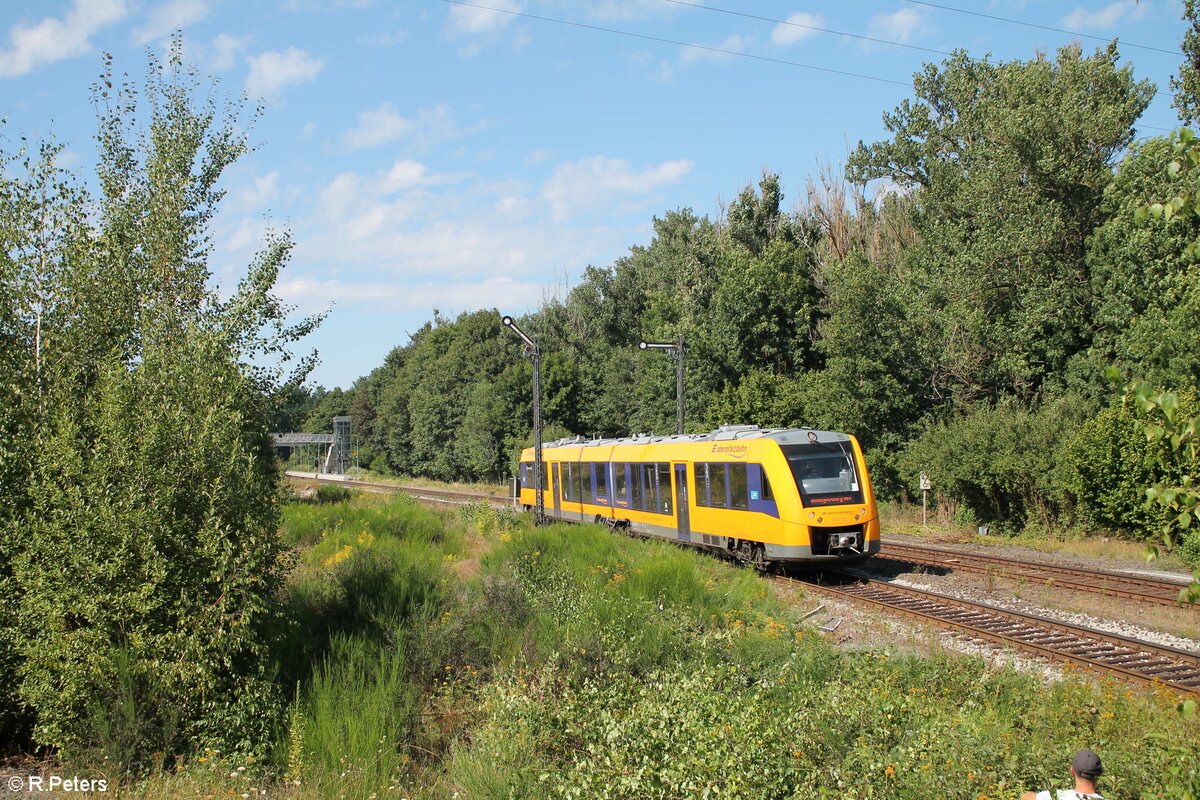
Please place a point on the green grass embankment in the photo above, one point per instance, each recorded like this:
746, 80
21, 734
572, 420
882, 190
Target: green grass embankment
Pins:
469, 655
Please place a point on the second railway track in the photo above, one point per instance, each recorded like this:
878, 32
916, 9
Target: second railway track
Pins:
1130, 586
1099, 651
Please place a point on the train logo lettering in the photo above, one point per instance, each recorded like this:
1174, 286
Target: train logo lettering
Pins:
735, 450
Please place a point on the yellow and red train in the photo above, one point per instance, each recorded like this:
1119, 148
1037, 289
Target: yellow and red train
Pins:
788, 496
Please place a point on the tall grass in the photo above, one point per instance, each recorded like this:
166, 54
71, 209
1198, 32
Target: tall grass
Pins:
348, 730
370, 575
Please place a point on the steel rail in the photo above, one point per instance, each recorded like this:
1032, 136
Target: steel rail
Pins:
1099, 651
446, 496
1159, 591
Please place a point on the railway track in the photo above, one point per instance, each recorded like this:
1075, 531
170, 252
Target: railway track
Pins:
1099, 651
423, 493
1142, 588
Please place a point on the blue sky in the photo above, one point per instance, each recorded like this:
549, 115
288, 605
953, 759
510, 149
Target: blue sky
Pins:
432, 155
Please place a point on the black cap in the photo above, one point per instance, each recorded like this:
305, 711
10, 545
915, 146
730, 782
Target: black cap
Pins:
1087, 765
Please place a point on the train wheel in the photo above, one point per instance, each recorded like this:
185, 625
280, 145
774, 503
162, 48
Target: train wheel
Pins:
752, 553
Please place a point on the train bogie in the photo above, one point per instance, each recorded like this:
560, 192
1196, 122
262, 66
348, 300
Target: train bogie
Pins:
795, 496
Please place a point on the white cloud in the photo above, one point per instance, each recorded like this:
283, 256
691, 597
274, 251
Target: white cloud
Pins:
472, 21
385, 124
257, 194
272, 71
597, 181
377, 126
358, 207
1102, 18
225, 50
900, 26
164, 19
735, 43
309, 294
414, 221
405, 174
54, 39
796, 28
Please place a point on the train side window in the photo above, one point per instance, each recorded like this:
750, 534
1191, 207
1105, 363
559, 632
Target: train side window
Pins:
620, 481
567, 483
635, 485
701, 498
648, 484
739, 487
588, 476
766, 485
602, 479
527, 477
716, 486
664, 488
557, 474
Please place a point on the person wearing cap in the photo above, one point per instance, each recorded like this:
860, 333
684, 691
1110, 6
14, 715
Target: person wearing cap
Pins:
1086, 769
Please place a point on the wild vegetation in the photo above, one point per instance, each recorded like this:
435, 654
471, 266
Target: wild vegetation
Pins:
469, 654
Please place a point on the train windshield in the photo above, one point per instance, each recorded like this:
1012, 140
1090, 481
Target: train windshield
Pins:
825, 473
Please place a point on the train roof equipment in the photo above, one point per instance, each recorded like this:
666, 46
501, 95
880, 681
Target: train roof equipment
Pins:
724, 433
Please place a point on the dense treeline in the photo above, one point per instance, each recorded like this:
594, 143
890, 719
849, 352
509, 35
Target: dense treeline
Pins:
953, 300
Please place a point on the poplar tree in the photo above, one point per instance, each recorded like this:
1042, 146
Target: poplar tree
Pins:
139, 522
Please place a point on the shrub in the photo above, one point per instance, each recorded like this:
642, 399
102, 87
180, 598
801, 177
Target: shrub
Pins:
147, 554
332, 494
152, 552
1112, 464
1006, 463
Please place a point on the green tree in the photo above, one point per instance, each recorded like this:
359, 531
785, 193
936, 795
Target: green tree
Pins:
1145, 279
1008, 163
1187, 85
1179, 499
1112, 463
143, 551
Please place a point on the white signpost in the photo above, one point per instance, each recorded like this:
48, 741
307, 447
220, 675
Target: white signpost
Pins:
925, 487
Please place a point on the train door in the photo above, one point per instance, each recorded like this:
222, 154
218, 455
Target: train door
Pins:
556, 479
681, 503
